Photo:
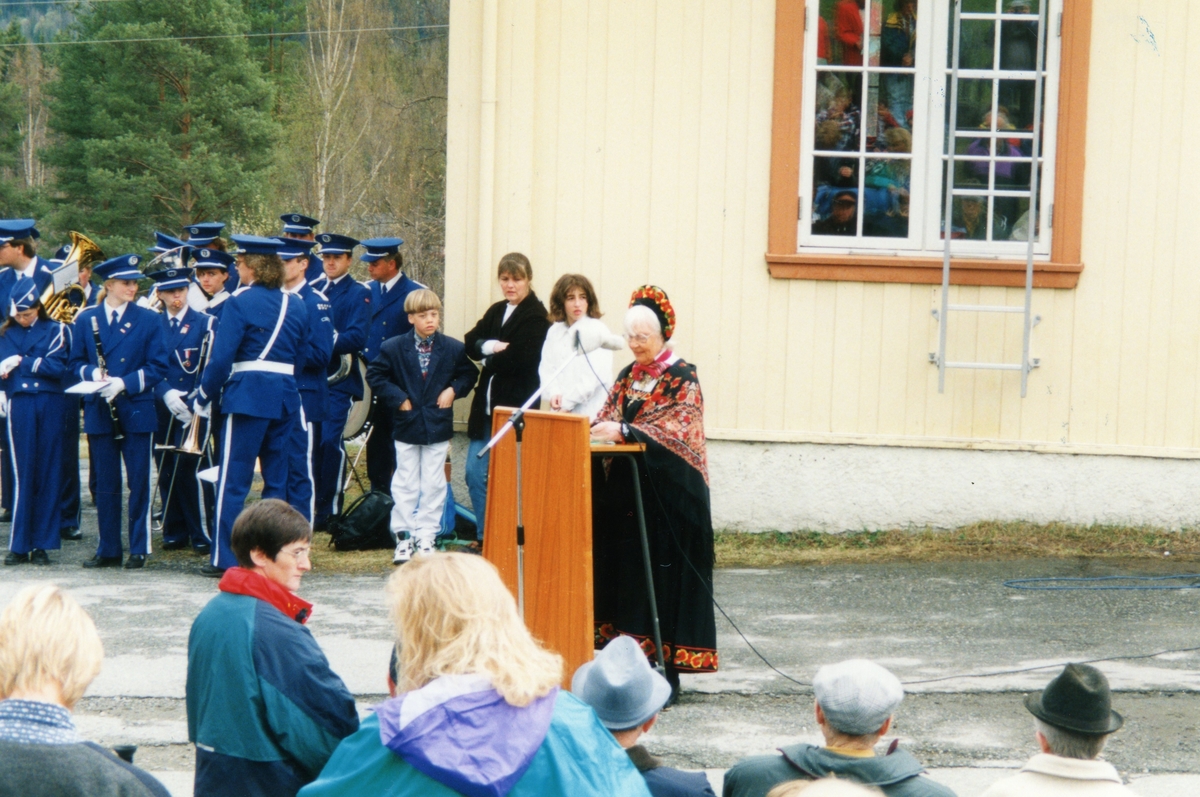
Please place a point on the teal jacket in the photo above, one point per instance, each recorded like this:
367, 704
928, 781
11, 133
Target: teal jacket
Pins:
264, 709
577, 758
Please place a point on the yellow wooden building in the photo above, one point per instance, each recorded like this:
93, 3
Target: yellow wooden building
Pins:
679, 142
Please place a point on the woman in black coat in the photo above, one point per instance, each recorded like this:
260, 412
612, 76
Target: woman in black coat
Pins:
508, 341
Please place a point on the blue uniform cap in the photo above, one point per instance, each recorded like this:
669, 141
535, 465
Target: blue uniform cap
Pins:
23, 295
60, 254
294, 247
170, 278
256, 245
212, 258
12, 229
297, 223
165, 243
203, 233
123, 267
334, 244
379, 248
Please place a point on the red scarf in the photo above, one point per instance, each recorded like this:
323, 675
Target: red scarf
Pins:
655, 369
240, 581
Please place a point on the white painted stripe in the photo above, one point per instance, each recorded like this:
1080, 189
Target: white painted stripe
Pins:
216, 548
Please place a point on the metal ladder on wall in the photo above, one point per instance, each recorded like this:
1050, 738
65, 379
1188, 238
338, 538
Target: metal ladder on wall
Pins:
1027, 364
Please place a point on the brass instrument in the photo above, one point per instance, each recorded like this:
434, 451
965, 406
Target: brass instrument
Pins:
84, 253
345, 363
191, 440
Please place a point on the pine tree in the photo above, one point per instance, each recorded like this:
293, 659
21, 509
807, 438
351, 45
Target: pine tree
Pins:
10, 121
157, 134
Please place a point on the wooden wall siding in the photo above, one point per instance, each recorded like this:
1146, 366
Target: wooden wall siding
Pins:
632, 144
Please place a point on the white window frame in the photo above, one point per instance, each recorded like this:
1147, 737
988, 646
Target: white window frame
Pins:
926, 211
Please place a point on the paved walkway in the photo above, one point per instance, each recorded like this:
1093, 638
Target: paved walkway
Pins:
923, 621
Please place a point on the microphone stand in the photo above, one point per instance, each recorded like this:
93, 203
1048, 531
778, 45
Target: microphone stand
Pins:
516, 422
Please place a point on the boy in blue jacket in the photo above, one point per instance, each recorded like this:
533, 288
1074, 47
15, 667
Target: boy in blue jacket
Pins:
419, 375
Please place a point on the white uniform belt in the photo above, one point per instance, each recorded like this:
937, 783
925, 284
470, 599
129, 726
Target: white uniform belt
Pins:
263, 365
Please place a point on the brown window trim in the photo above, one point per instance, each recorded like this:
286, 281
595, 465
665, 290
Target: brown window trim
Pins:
1065, 264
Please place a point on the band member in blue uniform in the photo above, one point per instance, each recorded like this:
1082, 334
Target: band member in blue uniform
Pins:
350, 303
34, 354
207, 235
389, 287
310, 375
129, 338
207, 293
71, 504
184, 331
252, 372
18, 256
299, 227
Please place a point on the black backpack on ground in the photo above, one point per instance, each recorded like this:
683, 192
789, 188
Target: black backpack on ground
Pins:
364, 525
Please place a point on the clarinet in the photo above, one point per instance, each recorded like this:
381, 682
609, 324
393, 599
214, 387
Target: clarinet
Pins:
118, 434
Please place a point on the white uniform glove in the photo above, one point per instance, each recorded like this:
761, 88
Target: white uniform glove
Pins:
203, 410
8, 364
178, 407
112, 388
3, 405
97, 375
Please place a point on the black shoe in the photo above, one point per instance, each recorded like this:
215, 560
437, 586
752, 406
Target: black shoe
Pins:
73, 535
135, 561
211, 571
103, 561
5, 516
175, 545
16, 559
203, 549
39, 557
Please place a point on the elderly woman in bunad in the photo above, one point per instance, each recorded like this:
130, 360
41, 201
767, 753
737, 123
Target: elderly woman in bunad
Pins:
34, 354
477, 710
252, 374
656, 401
582, 385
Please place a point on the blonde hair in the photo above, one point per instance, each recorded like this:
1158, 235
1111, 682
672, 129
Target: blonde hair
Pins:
420, 300
825, 787
47, 639
454, 616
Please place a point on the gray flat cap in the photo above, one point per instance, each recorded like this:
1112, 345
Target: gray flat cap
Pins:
857, 695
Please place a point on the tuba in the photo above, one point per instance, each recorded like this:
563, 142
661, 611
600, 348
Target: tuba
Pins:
83, 253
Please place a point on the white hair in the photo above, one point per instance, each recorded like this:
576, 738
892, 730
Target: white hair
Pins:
1071, 744
641, 317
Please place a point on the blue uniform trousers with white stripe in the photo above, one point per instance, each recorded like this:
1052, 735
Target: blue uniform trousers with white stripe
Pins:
35, 449
69, 488
301, 441
332, 458
245, 439
136, 450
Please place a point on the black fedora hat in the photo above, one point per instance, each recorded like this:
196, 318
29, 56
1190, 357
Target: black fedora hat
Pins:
1078, 699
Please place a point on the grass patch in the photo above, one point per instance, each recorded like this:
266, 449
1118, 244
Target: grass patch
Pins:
987, 540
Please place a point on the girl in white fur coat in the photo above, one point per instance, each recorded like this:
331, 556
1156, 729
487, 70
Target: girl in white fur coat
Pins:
583, 387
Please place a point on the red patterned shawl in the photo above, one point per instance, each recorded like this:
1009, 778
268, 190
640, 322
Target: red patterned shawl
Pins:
671, 415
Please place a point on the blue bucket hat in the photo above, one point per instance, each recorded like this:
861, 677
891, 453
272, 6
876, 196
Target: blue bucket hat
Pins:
122, 267
334, 244
24, 295
170, 278
298, 224
620, 686
294, 247
13, 229
203, 233
378, 248
212, 258
256, 245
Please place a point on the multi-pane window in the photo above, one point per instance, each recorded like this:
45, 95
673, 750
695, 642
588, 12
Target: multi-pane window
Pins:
876, 127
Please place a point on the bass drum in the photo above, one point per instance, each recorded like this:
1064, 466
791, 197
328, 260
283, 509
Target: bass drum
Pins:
358, 421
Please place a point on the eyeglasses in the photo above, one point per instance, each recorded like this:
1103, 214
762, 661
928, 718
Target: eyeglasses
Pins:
643, 339
298, 554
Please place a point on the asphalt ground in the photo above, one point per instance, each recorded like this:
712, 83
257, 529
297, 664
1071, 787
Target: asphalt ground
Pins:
947, 621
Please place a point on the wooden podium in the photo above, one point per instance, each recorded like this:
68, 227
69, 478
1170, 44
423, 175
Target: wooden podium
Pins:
556, 478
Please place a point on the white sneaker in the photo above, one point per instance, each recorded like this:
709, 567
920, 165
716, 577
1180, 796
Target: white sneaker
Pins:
425, 545
404, 552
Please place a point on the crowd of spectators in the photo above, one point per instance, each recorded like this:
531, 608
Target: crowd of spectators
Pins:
476, 708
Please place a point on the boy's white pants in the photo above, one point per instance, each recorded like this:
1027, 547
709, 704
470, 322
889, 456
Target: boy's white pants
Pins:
419, 490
